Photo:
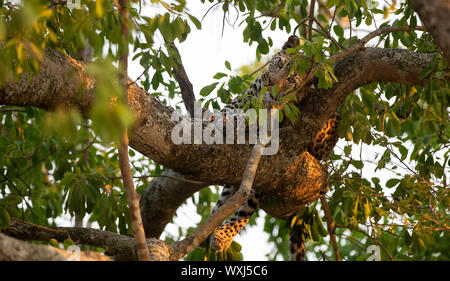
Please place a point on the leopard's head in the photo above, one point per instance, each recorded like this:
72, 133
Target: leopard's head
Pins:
292, 42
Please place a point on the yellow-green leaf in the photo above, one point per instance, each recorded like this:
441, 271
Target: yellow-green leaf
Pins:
99, 8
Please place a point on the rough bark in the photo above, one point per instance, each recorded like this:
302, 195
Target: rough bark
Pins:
435, 16
186, 88
12, 249
114, 244
120, 247
15, 250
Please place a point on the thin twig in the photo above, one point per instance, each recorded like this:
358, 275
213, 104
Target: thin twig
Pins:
331, 227
88, 143
186, 88
254, 72
350, 27
12, 110
139, 77
367, 235
128, 185
328, 34
311, 18
209, 10
302, 22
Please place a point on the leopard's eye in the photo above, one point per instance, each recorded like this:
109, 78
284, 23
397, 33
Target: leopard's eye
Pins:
291, 79
280, 63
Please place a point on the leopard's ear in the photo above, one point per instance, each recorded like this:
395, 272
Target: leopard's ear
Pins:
292, 42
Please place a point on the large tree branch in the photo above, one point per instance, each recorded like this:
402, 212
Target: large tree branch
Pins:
119, 246
288, 170
12, 249
15, 250
114, 244
435, 15
186, 88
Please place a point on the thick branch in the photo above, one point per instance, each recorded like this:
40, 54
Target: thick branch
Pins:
12, 249
435, 15
15, 250
119, 246
114, 244
206, 163
187, 91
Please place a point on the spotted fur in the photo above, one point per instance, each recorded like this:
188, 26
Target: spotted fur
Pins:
278, 61
297, 248
321, 147
326, 138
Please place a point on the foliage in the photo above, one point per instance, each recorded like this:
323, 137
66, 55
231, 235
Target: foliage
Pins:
55, 164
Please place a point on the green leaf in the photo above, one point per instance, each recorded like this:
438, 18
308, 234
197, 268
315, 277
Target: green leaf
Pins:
273, 24
236, 246
407, 237
338, 30
263, 48
392, 182
223, 94
195, 21
357, 164
367, 209
54, 243
429, 69
219, 75
368, 20
11, 200
68, 242
332, 3
227, 65
4, 218
205, 91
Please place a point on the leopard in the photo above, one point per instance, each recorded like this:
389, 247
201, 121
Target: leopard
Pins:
280, 60
321, 147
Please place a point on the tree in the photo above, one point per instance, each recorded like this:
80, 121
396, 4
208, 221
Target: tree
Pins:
64, 114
